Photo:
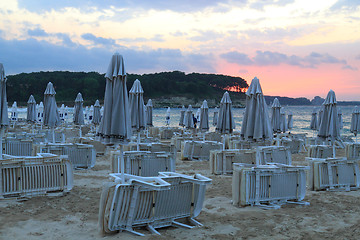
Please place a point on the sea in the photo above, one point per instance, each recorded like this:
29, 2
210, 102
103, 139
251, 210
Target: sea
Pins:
301, 117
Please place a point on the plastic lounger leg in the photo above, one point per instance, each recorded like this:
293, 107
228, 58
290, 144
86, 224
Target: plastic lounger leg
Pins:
134, 232
300, 203
196, 223
181, 225
152, 230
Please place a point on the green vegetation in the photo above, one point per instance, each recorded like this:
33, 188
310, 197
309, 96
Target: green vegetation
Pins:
164, 85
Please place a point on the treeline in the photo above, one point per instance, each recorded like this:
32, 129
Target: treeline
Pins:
92, 85
288, 101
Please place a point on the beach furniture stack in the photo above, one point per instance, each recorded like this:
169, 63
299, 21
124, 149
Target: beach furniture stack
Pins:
352, 151
44, 174
18, 147
198, 150
320, 151
151, 202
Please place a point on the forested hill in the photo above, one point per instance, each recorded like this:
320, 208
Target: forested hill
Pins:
164, 85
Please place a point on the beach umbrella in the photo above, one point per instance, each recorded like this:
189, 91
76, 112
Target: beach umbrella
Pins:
149, 113
355, 122
40, 113
290, 121
51, 114
276, 116
182, 116
215, 117
31, 110
62, 113
4, 118
283, 122
96, 114
329, 128
256, 124
14, 113
198, 112
341, 122
314, 121
137, 109
204, 117
189, 120
225, 124
90, 114
167, 118
79, 112
320, 116
115, 126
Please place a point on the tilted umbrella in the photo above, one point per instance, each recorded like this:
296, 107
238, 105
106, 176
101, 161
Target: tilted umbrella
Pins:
115, 126
329, 128
4, 118
215, 117
96, 115
256, 124
189, 120
149, 113
137, 110
182, 116
355, 122
276, 116
290, 121
79, 112
204, 117
51, 114
225, 124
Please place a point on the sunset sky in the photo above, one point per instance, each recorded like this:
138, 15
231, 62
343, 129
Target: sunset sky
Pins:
295, 47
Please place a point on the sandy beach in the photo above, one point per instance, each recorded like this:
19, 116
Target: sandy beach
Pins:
74, 216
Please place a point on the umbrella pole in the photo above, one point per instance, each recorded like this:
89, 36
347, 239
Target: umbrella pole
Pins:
53, 135
138, 141
122, 162
334, 149
1, 142
80, 133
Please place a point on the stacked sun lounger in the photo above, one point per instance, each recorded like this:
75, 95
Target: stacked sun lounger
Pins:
268, 185
44, 174
352, 151
273, 154
333, 174
80, 155
142, 163
18, 147
320, 151
294, 144
199, 150
151, 202
242, 144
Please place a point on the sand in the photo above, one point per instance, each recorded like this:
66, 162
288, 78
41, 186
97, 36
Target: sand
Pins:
331, 215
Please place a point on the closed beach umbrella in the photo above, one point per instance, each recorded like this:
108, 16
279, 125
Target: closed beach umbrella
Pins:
149, 113
14, 112
225, 122
283, 122
167, 118
341, 122
320, 115
115, 126
4, 118
215, 117
256, 122
204, 117
290, 121
182, 116
314, 121
329, 128
40, 113
31, 109
189, 120
79, 110
355, 122
276, 116
51, 114
96, 115
198, 113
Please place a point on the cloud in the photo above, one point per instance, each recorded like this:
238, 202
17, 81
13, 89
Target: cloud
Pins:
98, 40
34, 55
261, 4
357, 57
269, 58
37, 32
206, 36
177, 6
351, 5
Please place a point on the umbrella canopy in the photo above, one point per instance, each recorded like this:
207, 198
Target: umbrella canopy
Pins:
197, 115
256, 123
341, 122
137, 111
225, 122
149, 113
115, 126
215, 117
182, 116
189, 120
31, 109
283, 122
14, 111
51, 114
96, 115
167, 118
314, 122
204, 117
355, 121
79, 110
276, 116
329, 127
4, 118
320, 115
290, 121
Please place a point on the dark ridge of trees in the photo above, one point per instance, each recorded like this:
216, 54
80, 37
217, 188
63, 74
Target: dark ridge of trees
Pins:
92, 85
288, 101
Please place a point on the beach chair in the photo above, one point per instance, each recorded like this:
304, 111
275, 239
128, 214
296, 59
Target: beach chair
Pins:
352, 151
199, 150
333, 174
273, 154
18, 147
151, 202
268, 186
44, 174
320, 151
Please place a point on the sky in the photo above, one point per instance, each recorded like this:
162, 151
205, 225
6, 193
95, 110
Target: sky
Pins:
297, 48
